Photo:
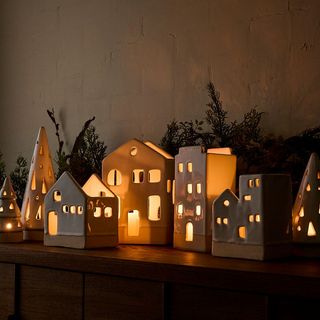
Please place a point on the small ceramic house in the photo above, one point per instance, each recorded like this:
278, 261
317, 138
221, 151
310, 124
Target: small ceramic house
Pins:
200, 177
141, 175
78, 217
10, 218
257, 225
306, 209
41, 178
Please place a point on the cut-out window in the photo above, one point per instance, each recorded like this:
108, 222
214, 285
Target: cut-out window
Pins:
57, 195
247, 197
11, 207
41, 151
168, 186
180, 167
50, 173
102, 194
38, 215
114, 177
41, 166
218, 220
137, 176
4, 193
173, 191
1, 209
257, 217
250, 183
198, 209
225, 220
251, 218
242, 232
133, 223
189, 188
97, 212
73, 209
299, 196
308, 188
299, 228
80, 209
311, 230
108, 212
154, 208
65, 208
301, 212
226, 203
43, 187
257, 182
180, 208
52, 223
9, 226
133, 151
33, 182
296, 219
189, 231
28, 210
318, 175
154, 175
89, 227
198, 188
189, 166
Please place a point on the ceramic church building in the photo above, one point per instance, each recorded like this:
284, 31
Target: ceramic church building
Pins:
257, 225
200, 176
141, 175
306, 209
78, 217
10, 218
41, 178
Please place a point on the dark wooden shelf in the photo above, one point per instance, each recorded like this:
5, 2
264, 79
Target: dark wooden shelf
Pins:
171, 272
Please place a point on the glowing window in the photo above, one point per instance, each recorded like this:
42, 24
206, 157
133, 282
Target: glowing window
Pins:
301, 212
189, 188
198, 209
52, 223
299, 228
41, 151
226, 203
251, 218
198, 188
308, 188
57, 196
9, 226
180, 167
108, 212
247, 197
218, 220
65, 209
242, 232
11, 207
33, 182
1, 209
133, 151
154, 175
189, 166
73, 209
80, 209
133, 223
250, 183
97, 212
168, 186
189, 232
318, 175
43, 187
137, 176
180, 208
311, 230
225, 220
4, 193
38, 215
257, 181
154, 208
114, 177
257, 218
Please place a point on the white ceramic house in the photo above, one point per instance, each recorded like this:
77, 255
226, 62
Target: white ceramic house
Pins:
141, 175
257, 225
306, 209
10, 218
41, 178
78, 217
200, 176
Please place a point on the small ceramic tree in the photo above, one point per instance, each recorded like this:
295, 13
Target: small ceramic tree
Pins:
41, 178
10, 222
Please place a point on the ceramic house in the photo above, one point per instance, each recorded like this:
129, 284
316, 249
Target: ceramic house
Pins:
78, 217
10, 218
141, 175
306, 209
257, 225
200, 176
41, 178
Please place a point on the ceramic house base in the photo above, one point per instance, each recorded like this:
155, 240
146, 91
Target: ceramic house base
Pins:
33, 235
257, 225
199, 243
11, 237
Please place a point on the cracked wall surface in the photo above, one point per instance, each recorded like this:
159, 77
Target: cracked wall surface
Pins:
137, 64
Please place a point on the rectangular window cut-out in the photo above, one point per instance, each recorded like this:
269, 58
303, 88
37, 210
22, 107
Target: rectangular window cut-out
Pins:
97, 212
108, 212
242, 232
57, 195
189, 232
257, 217
251, 218
189, 166
168, 186
65, 209
198, 209
250, 183
52, 223
73, 209
247, 197
133, 223
80, 209
189, 188
154, 175
198, 187
180, 208
137, 176
257, 182
218, 220
154, 208
180, 167
225, 221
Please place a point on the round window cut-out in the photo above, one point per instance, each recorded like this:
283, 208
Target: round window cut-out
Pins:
134, 151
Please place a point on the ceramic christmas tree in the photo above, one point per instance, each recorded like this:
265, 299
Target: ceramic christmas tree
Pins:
257, 225
306, 211
78, 217
41, 178
200, 176
10, 218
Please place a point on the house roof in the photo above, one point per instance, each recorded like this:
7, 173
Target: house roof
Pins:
227, 194
7, 191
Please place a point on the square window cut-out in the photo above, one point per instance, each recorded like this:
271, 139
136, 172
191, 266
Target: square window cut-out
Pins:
154, 175
154, 208
108, 212
97, 212
180, 167
247, 197
137, 176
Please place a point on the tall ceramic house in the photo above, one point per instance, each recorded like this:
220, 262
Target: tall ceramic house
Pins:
41, 178
78, 217
306, 209
10, 218
200, 176
257, 225
141, 175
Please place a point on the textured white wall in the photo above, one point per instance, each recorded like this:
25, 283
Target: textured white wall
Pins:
136, 64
